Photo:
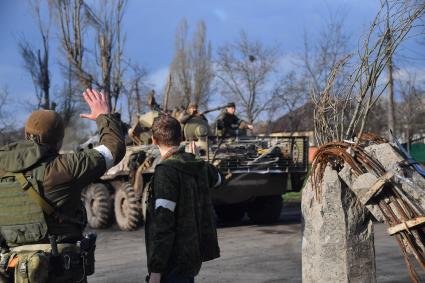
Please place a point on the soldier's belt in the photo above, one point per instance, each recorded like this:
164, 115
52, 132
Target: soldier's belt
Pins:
46, 248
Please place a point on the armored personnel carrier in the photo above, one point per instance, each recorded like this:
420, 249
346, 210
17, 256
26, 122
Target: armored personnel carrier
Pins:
257, 169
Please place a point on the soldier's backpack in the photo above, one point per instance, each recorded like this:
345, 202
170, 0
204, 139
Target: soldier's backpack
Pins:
22, 220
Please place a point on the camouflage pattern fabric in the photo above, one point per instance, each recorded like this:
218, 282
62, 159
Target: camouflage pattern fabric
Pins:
179, 240
65, 175
61, 180
229, 124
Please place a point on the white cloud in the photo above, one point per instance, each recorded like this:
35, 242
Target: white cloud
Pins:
220, 14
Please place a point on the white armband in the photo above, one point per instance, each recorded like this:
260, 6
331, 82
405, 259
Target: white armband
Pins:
107, 155
165, 203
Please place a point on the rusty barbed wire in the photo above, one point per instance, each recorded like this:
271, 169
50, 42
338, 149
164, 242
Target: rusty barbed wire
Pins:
394, 206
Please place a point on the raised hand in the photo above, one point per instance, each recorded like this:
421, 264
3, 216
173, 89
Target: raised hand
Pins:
97, 103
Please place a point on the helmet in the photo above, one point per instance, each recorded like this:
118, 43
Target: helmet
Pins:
231, 104
45, 126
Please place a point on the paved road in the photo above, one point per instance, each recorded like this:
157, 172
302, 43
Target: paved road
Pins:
250, 253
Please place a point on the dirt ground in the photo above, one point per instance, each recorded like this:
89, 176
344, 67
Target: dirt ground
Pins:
249, 253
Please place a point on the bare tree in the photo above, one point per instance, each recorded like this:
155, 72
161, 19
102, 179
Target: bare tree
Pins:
191, 70
319, 59
36, 61
360, 91
4, 93
68, 97
76, 16
202, 65
136, 92
6, 122
411, 109
290, 94
245, 70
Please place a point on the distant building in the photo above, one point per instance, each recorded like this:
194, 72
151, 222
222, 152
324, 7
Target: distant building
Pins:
299, 120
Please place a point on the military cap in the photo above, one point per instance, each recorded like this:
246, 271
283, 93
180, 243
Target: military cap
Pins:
45, 126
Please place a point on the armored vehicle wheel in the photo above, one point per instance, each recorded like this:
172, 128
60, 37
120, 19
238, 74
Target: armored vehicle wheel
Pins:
265, 209
127, 212
230, 213
297, 181
97, 200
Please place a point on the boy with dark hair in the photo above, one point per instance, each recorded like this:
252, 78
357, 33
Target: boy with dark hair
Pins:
180, 226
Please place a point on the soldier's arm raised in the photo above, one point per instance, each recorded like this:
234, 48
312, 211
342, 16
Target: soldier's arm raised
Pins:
90, 164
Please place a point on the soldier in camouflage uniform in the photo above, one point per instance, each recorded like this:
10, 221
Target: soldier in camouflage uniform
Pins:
180, 226
140, 132
41, 215
229, 125
191, 111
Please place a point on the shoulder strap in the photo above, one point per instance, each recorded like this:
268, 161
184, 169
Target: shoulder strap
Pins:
29, 188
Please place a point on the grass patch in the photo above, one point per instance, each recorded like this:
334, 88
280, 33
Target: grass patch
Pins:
291, 196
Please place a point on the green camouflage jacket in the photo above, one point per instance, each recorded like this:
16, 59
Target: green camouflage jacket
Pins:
185, 117
180, 225
65, 175
230, 123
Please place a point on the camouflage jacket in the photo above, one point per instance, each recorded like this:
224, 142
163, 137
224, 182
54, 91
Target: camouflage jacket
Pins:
185, 117
65, 175
229, 123
180, 225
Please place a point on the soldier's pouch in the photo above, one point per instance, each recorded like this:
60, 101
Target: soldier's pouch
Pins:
32, 266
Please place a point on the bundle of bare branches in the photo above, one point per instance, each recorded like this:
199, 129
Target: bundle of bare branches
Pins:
355, 83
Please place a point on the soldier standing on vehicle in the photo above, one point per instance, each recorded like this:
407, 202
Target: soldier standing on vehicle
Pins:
228, 124
180, 227
42, 217
191, 111
140, 132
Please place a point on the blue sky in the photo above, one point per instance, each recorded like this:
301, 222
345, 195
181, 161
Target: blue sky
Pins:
150, 29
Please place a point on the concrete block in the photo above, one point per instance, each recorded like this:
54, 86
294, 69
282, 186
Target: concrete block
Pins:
337, 244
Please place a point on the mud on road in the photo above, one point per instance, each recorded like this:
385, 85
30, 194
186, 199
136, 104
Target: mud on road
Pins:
249, 253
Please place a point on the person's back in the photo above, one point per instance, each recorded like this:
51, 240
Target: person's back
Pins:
38, 181
180, 226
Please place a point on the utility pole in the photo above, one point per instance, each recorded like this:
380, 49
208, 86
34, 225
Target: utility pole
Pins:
391, 115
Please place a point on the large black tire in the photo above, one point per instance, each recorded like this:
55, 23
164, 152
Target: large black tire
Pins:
230, 213
265, 209
127, 211
98, 204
